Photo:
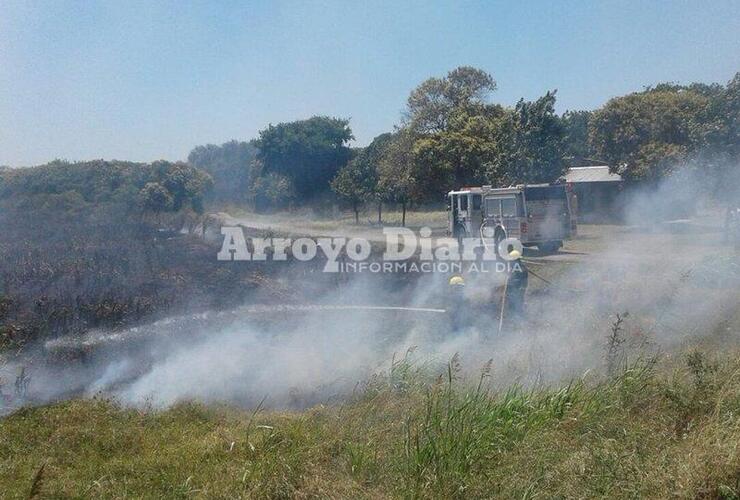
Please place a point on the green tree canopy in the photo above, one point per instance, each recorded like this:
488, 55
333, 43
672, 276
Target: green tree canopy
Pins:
432, 104
645, 135
271, 191
102, 182
308, 152
575, 134
459, 138
357, 182
156, 198
398, 171
229, 165
529, 146
452, 126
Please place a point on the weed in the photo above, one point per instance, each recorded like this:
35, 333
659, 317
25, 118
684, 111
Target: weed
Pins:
656, 429
614, 341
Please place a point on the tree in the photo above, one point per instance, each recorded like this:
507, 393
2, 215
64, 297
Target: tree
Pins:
229, 165
452, 125
457, 156
186, 184
646, 135
730, 110
353, 184
271, 191
357, 182
308, 152
529, 144
156, 198
397, 171
725, 144
575, 134
456, 137
431, 104
100, 183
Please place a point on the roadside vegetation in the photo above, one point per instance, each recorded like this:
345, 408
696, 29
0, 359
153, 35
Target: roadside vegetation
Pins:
661, 429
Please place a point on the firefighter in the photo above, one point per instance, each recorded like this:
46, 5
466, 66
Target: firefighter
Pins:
516, 285
457, 302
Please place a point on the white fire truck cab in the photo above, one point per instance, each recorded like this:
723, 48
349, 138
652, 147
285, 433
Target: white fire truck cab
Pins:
536, 214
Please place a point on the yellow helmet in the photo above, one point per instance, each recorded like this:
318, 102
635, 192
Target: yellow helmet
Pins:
457, 280
515, 254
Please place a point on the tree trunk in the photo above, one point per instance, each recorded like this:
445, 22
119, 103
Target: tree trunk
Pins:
380, 213
357, 213
403, 214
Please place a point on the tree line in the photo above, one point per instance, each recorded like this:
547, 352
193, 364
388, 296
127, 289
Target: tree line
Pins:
156, 187
451, 134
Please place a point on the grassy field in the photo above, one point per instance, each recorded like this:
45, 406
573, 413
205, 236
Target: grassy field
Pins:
312, 221
656, 429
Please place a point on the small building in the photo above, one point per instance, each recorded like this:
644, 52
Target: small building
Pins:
598, 192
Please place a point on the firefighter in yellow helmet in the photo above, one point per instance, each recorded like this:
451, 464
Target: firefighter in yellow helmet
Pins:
457, 280
516, 286
457, 302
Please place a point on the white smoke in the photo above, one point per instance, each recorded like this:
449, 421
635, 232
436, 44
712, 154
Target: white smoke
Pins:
677, 280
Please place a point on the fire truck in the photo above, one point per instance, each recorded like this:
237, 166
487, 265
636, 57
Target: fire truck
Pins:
539, 215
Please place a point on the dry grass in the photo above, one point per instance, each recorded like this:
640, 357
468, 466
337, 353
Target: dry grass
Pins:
309, 220
657, 431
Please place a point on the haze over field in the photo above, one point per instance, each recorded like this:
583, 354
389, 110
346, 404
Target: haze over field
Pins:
676, 288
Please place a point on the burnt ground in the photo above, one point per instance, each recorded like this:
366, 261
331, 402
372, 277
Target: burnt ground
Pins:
678, 283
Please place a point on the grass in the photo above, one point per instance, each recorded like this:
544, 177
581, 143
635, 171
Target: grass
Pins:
313, 220
670, 429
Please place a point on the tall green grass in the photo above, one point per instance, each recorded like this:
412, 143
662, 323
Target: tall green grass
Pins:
666, 429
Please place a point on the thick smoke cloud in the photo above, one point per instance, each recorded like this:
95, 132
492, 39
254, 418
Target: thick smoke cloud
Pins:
677, 279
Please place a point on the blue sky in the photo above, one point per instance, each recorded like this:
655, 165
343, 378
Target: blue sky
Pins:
149, 80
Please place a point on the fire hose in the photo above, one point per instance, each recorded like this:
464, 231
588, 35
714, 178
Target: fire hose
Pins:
571, 290
97, 337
